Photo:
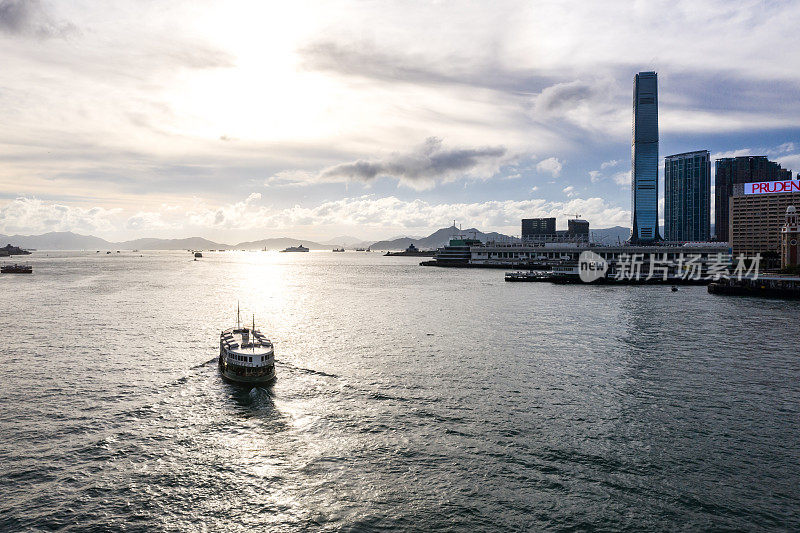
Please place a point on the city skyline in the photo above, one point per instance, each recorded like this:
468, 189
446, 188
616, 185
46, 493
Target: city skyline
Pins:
235, 121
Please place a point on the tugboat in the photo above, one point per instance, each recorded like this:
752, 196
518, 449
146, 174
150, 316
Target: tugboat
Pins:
246, 356
16, 269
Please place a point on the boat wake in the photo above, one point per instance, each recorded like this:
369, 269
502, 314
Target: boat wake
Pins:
201, 365
307, 370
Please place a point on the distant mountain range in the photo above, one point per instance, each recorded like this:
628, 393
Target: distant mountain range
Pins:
610, 235
66, 240
346, 240
440, 238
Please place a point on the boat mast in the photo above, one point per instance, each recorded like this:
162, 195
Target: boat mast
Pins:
237, 314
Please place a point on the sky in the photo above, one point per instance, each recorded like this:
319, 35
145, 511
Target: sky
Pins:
244, 120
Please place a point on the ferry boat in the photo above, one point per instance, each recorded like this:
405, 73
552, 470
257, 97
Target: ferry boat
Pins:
300, 248
339, 249
245, 355
527, 275
16, 269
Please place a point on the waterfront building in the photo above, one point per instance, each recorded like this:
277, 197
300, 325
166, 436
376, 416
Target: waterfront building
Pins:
687, 196
790, 235
644, 159
538, 228
521, 254
731, 171
757, 214
457, 252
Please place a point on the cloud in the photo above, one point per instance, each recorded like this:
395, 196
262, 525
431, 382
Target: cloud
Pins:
550, 165
371, 212
562, 96
423, 167
28, 18
595, 176
569, 190
148, 220
608, 164
367, 212
365, 58
596, 106
622, 178
32, 215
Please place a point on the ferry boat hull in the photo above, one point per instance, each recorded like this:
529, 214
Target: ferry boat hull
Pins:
232, 377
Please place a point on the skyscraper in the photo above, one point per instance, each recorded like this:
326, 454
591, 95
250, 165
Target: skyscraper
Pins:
733, 170
687, 196
644, 159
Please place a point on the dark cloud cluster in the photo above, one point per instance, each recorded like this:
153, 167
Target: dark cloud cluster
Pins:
564, 96
370, 61
29, 18
430, 162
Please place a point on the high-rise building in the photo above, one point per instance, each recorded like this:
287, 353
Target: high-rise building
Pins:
757, 214
730, 171
687, 196
644, 159
578, 229
538, 228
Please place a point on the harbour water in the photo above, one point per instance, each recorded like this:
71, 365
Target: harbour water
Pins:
407, 398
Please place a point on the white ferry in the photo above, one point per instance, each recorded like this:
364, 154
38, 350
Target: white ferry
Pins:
246, 355
300, 248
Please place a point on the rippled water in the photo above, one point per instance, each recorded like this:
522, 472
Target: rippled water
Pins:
407, 398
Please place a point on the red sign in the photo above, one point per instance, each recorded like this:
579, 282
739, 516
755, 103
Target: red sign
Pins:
771, 187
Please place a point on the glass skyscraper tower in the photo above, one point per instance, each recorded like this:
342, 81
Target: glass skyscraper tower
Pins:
644, 159
687, 196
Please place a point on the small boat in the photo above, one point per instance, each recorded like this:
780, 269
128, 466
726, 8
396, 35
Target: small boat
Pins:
527, 276
299, 248
198, 254
108, 253
674, 288
339, 249
360, 250
16, 269
245, 355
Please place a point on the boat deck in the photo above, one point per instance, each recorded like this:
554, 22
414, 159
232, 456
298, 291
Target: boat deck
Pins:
257, 343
